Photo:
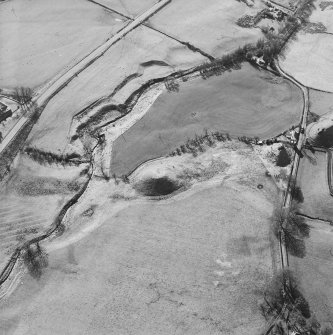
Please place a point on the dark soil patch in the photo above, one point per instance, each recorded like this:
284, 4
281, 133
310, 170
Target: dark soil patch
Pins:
283, 158
157, 186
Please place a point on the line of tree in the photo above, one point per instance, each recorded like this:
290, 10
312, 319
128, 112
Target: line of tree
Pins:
249, 140
46, 157
286, 308
95, 120
198, 143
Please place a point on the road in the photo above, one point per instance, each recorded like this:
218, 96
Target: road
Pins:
48, 93
299, 145
3, 145
283, 9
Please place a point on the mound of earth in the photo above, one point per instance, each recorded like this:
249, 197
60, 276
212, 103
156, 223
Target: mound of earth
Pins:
321, 133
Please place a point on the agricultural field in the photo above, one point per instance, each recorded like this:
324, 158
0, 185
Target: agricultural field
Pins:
127, 57
315, 271
130, 8
191, 264
321, 102
309, 60
141, 147
243, 102
30, 200
210, 26
22, 218
323, 14
312, 178
42, 38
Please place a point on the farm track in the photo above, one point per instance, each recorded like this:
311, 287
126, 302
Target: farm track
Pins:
187, 44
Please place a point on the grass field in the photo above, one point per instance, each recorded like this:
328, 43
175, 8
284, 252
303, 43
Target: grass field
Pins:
131, 8
315, 272
312, 178
309, 60
41, 38
244, 102
210, 26
321, 102
102, 77
197, 265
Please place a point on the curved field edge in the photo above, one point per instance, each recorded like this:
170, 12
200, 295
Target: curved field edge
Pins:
211, 104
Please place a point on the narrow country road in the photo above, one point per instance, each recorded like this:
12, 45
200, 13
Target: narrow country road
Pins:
302, 136
48, 93
299, 145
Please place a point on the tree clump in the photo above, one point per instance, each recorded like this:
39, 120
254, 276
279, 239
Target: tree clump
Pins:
23, 95
283, 158
36, 260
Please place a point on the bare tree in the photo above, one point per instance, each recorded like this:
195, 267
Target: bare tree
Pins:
292, 229
24, 96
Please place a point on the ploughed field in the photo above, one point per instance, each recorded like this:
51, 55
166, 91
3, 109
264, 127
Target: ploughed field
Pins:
40, 38
22, 218
30, 201
312, 178
241, 102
